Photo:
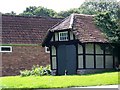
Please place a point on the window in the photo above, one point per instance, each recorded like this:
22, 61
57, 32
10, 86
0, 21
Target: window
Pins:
5, 49
89, 49
89, 61
63, 36
47, 49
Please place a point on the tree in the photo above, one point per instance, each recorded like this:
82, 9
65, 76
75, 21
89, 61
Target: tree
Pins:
69, 12
41, 11
11, 13
38, 11
94, 7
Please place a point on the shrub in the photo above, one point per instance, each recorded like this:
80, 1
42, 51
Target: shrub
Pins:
25, 73
37, 71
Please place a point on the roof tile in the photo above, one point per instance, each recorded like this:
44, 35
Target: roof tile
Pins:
25, 30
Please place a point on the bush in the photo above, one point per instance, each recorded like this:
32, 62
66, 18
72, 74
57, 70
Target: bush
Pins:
25, 73
37, 71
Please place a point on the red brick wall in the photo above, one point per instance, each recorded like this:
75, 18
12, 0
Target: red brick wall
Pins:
23, 57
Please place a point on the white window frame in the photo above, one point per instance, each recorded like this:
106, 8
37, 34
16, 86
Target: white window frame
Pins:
66, 37
46, 49
5, 47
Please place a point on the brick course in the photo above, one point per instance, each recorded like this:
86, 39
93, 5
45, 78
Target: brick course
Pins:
23, 57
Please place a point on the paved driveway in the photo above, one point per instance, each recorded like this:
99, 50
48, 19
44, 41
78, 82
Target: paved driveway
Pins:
108, 87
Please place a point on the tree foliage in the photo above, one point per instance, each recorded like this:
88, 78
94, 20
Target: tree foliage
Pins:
109, 26
11, 13
93, 7
38, 11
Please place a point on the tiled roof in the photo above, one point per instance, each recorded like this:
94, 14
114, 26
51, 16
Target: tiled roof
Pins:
86, 31
83, 27
64, 24
25, 30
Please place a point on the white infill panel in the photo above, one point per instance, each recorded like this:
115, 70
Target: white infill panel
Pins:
71, 35
56, 36
53, 62
53, 50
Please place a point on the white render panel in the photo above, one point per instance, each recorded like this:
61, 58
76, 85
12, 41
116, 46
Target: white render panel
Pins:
89, 48
53, 62
53, 50
56, 36
89, 61
80, 49
98, 49
108, 61
80, 61
71, 35
99, 62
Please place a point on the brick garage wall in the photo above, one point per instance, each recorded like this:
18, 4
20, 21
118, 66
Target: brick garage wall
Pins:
23, 57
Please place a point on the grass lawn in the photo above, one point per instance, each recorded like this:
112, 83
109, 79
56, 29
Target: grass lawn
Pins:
110, 78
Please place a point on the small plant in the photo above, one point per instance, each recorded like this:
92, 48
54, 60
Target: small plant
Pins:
37, 71
25, 73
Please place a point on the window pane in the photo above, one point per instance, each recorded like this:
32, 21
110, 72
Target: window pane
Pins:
99, 62
109, 61
89, 49
98, 49
80, 49
63, 36
89, 61
80, 61
5, 48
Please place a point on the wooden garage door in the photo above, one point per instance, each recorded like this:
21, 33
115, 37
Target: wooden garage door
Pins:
66, 59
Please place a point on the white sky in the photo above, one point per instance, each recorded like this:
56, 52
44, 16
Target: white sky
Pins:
19, 5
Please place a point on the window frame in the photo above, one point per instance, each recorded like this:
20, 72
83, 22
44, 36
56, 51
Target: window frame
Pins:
46, 49
66, 33
6, 47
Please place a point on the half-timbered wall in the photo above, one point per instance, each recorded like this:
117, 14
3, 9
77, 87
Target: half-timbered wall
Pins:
53, 57
53, 53
55, 37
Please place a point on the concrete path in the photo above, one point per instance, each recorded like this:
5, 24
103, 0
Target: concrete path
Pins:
107, 86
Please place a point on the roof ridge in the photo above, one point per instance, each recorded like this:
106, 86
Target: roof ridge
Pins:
83, 14
71, 20
58, 23
47, 17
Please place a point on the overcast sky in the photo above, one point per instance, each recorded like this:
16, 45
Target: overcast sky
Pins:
19, 5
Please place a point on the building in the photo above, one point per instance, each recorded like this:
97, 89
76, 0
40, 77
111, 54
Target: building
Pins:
21, 40
77, 46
